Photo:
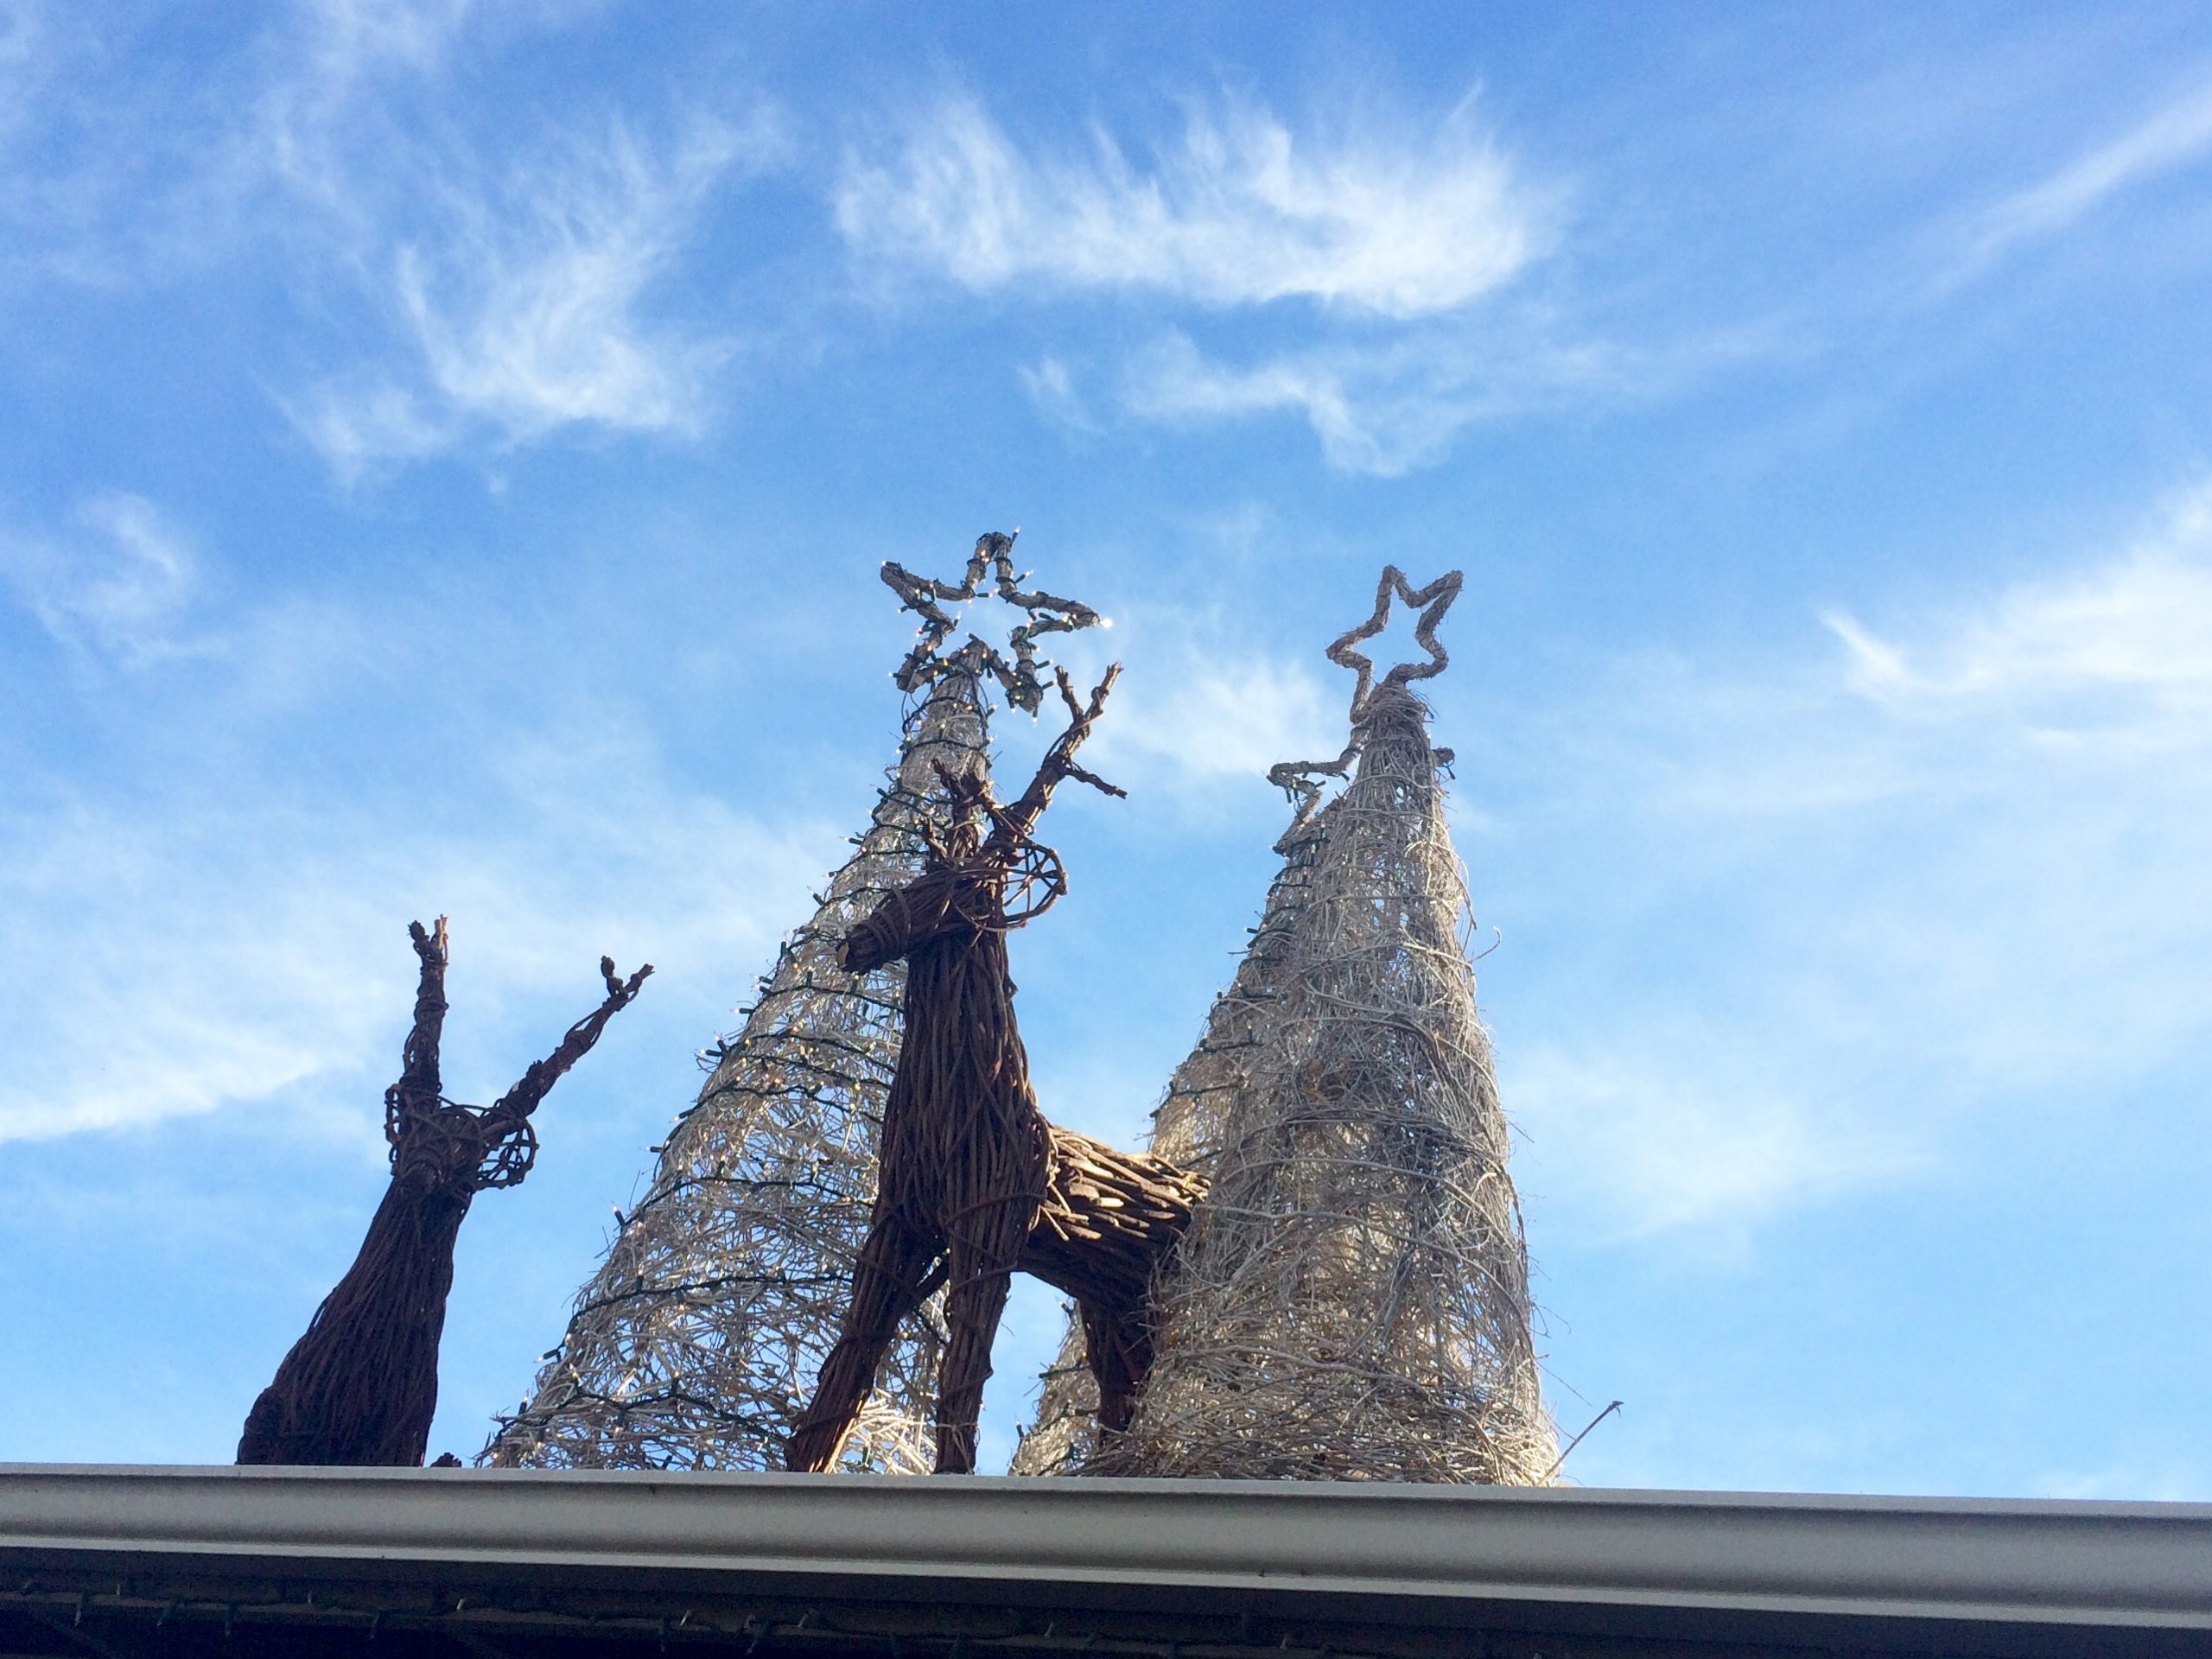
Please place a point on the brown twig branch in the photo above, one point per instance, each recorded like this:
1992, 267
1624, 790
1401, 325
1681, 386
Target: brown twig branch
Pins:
1556, 1462
507, 1145
522, 1100
417, 1090
1015, 822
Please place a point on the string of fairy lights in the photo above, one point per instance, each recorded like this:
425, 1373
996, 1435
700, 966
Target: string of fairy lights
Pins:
1351, 1301
697, 1339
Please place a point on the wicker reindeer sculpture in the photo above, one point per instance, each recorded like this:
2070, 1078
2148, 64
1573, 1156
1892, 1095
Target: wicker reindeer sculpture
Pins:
362, 1385
974, 1184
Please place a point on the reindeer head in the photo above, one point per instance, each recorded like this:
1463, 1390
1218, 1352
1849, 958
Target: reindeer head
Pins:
968, 810
985, 871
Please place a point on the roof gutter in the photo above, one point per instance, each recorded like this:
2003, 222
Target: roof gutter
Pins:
1620, 1562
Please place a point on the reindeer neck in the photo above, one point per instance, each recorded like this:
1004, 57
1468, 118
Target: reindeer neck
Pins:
1018, 822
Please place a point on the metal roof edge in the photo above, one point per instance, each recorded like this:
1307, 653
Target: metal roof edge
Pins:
2054, 1563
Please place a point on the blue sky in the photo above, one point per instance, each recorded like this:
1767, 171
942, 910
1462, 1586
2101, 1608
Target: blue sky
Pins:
445, 452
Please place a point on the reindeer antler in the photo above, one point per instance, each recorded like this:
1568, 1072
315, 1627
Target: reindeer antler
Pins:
964, 791
537, 1082
417, 1090
1015, 822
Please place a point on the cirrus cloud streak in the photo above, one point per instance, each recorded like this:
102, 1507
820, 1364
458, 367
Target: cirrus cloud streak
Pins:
1240, 212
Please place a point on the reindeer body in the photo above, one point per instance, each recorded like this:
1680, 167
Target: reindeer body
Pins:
961, 1043
974, 1184
361, 1386
965, 1191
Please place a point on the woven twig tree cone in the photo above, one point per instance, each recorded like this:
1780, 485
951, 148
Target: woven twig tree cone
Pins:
1187, 1127
696, 1343
1352, 1301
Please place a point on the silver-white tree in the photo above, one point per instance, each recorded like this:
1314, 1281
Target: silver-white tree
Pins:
695, 1343
1352, 1300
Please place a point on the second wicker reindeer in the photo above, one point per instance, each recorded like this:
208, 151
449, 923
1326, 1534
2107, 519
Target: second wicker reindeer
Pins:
974, 1184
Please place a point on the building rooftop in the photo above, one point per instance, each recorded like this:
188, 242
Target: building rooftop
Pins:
116, 1560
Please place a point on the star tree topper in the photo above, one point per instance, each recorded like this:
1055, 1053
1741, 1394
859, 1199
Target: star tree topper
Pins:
1297, 777
926, 596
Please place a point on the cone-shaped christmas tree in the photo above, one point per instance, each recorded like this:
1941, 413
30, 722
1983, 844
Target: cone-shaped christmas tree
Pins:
695, 1344
1187, 1127
1352, 1302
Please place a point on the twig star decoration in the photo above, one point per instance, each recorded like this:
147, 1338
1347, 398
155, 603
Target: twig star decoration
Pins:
1298, 778
1048, 614
1431, 601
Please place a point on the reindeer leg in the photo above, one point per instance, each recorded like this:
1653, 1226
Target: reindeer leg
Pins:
984, 1253
887, 1288
1118, 1344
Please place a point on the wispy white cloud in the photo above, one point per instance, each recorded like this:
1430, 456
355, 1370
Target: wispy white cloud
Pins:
348, 36
2173, 137
117, 578
137, 166
1938, 891
1171, 381
218, 954
513, 288
80, 156
328, 58
1414, 243
1211, 720
539, 329
523, 306
1241, 211
364, 420
1390, 406
22, 24
1653, 1136
459, 285
175, 995
1372, 411
1201, 716
1051, 388
2119, 653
